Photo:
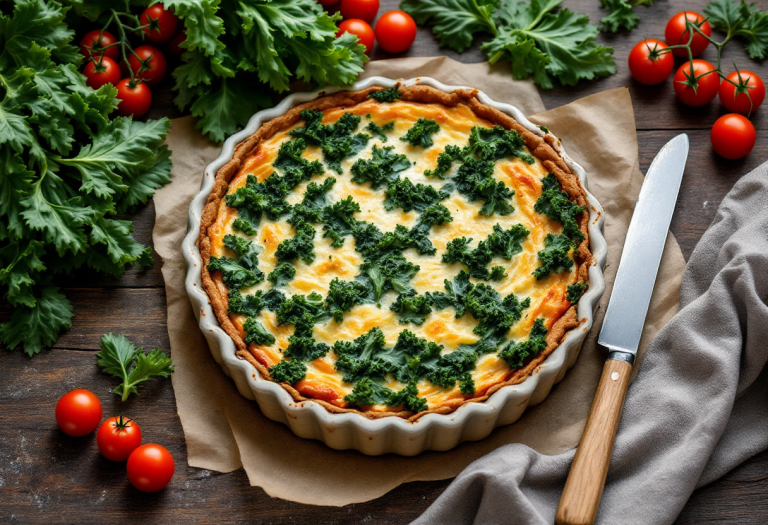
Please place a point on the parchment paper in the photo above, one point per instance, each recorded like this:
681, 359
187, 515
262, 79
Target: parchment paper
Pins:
224, 431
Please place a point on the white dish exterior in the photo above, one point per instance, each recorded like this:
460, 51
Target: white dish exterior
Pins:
470, 422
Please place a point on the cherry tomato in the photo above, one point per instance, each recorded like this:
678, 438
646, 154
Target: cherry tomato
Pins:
161, 24
94, 42
148, 63
735, 97
174, 46
648, 64
677, 33
733, 136
97, 73
150, 468
694, 91
134, 99
327, 2
360, 9
78, 412
359, 28
395, 31
117, 438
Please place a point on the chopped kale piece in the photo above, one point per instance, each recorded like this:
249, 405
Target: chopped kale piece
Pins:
338, 220
497, 143
380, 131
336, 149
555, 256
367, 237
496, 316
315, 196
302, 311
409, 398
455, 294
305, 348
301, 246
445, 161
303, 215
421, 133
555, 204
497, 273
247, 305
360, 358
515, 354
434, 215
247, 252
257, 197
545, 129
381, 168
296, 168
368, 393
504, 243
388, 272
290, 372
386, 95
235, 276
343, 295
282, 274
337, 141
507, 243
244, 226
412, 308
273, 299
453, 367
475, 180
256, 333
576, 290
402, 193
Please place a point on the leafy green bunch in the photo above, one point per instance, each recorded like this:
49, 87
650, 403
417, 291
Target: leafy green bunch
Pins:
66, 172
538, 38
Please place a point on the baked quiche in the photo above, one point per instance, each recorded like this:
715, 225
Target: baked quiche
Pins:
395, 252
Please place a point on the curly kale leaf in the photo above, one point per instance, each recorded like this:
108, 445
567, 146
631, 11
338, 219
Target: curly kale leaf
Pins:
421, 133
497, 143
555, 204
256, 333
343, 295
368, 393
475, 180
246, 250
576, 290
386, 95
273, 299
296, 168
412, 308
445, 161
257, 197
290, 372
300, 246
454, 22
247, 305
242, 225
388, 272
515, 354
338, 220
305, 348
477, 259
381, 168
402, 193
302, 311
360, 358
380, 131
337, 140
367, 237
555, 257
496, 316
282, 274
453, 367
507, 243
235, 275
435, 215
455, 294
315, 199
621, 14
121, 359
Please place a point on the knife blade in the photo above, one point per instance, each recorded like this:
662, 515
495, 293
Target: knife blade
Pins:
621, 331
644, 244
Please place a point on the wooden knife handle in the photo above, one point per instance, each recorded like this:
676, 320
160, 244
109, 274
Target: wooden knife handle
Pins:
584, 487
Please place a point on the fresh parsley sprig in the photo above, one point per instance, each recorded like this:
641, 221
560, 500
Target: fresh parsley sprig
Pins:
120, 358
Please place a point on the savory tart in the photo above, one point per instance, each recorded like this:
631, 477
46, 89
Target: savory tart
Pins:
395, 251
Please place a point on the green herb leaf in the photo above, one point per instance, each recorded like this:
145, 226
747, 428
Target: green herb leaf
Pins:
742, 20
120, 358
555, 257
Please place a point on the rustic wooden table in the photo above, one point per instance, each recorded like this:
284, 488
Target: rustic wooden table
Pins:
47, 476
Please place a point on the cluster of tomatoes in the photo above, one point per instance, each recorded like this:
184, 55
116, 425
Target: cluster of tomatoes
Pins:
150, 467
395, 30
697, 82
139, 68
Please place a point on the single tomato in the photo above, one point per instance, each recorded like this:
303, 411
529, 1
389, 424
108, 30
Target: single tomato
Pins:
649, 64
360, 9
118, 437
676, 33
395, 31
734, 90
78, 412
135, 99
150, 468
99, 72
148, 63
733, 136
359, 28
697, 88
174, 46
160, 24
98, 42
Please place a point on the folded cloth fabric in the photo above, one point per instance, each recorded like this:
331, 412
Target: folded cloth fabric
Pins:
697, 409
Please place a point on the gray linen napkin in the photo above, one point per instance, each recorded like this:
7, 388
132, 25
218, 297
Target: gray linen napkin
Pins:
697, 409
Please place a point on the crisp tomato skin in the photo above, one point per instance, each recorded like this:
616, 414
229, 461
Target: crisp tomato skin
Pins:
360, 9
161, 23
648, 64
739, 102
733, 136
149, 64
361, 29
78, 412
707, 86
98, 39
134, 99
97, 73
117, 437
395, 31
150, 468
676, 33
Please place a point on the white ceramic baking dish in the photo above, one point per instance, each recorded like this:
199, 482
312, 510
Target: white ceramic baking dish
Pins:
472, 421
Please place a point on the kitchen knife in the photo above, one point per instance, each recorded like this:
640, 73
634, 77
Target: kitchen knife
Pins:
621, 331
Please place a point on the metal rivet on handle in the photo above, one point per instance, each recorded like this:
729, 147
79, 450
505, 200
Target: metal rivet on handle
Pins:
615, 376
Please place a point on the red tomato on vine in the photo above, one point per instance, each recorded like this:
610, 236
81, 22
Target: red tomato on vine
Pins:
95, 43
161, 24
733, 136
734, 90
135, 99
361, 29
117, 438
697, 87
649, 64
676, 33
99, 72
148, 63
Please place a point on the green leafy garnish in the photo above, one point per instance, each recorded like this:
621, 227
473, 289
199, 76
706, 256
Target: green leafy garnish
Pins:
360, 358
381, 168
386, 95
300, 246
742, 20
621, 14
515, 354
455, 294
445, 161
282, 274
120, 358
338, 220
576, 290
368, 392
256, 333
412, 308
501, 242
475, 180
305, 348
343, 295
391, 271
380, 131
402, 193
497, 143
421, 133
555, 257
555, 204
337, 141
288, 371
247, 305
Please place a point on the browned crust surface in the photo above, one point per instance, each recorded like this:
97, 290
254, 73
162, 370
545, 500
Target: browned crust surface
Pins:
541, 147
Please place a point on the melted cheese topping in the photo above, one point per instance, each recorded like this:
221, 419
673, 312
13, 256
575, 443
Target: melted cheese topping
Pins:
323, 381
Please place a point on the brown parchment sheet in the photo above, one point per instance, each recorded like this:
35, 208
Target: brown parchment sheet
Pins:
225, 431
